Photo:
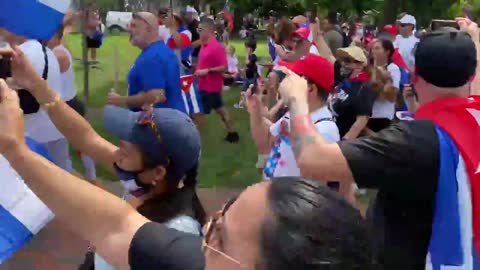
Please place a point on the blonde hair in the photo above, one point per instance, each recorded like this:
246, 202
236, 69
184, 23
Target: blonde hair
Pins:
382, 84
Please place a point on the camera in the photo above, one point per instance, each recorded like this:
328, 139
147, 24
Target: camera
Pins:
28, 103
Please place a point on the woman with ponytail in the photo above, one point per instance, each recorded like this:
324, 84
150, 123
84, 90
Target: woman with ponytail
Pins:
157, 164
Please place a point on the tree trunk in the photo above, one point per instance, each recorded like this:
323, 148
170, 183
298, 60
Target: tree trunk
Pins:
390, 11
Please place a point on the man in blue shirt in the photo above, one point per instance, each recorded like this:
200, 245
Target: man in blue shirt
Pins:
154, 77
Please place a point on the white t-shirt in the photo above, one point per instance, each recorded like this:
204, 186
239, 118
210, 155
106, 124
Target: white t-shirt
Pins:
314, 50
38, 126
232, 62
406, 47
163, 32
286, 165
68, 77
383, 108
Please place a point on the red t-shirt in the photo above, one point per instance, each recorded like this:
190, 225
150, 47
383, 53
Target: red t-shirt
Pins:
212, 55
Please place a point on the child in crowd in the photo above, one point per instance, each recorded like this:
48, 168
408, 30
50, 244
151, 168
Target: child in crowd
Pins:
251, 70
233, 73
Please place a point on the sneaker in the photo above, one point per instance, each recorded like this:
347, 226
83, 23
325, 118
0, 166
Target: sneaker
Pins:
226, 88
232, 137
238, 106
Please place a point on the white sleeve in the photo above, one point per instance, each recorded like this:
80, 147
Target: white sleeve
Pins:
329, 131
275, 128
394, 71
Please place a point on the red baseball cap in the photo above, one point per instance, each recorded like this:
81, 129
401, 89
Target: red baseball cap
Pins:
302, 32
315, 68
391, 29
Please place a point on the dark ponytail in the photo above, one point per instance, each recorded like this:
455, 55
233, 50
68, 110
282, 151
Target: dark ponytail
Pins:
190, 184
184, 201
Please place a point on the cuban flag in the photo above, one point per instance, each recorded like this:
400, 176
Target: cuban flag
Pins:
454, 243
184, 52
228, 16
34, 19
191, 94
22, 213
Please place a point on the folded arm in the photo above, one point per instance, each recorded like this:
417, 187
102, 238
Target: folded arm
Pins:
148, 97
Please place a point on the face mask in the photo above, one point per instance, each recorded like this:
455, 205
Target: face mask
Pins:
131, 182
345, 71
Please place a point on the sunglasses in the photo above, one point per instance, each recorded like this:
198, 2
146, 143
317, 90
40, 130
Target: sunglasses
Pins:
147, 119
209, 230
404, 24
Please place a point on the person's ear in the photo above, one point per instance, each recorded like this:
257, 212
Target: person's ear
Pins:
159, 173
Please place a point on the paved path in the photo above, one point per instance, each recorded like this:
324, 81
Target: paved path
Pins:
57, 248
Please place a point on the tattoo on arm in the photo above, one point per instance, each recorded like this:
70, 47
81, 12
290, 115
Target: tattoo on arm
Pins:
301, 141
304, 134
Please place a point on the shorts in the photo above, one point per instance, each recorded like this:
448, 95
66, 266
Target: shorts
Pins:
377, 124
211, 101
77, 105
93, 43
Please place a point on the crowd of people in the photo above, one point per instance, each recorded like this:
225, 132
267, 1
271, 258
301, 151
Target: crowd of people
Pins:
327, 117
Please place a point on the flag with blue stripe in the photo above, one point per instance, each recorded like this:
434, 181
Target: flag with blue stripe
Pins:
451, 244
34, 19
22, 214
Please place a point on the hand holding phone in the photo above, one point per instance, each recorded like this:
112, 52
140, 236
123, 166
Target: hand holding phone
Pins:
438, 24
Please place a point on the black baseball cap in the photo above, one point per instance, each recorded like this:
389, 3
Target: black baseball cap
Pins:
446, 58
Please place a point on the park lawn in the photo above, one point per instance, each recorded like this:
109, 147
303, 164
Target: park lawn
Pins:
222, 164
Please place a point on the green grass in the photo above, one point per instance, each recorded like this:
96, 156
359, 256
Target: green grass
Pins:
222, 164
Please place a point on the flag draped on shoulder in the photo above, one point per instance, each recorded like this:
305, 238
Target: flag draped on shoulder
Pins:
455, 240
35, 19
22, 213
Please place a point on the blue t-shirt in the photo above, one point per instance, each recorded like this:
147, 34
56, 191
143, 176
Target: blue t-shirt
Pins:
157, 68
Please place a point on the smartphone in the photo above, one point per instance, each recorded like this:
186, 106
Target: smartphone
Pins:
5, 63
313, 14
468, 14
437, 24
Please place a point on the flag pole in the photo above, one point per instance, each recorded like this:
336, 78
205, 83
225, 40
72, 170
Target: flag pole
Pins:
115, 70
86, 67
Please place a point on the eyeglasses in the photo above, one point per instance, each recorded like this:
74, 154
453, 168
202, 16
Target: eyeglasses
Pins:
209, 232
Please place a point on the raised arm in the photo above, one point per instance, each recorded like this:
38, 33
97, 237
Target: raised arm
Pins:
92, 213
75, 128
472, 29
259, 125
316, 158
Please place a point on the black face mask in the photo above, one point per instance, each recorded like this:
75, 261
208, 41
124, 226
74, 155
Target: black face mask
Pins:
131, 182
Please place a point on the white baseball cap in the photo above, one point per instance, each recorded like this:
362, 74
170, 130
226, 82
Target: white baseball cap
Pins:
408, 19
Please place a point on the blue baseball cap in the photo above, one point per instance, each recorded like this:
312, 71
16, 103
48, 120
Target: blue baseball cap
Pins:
176, 141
